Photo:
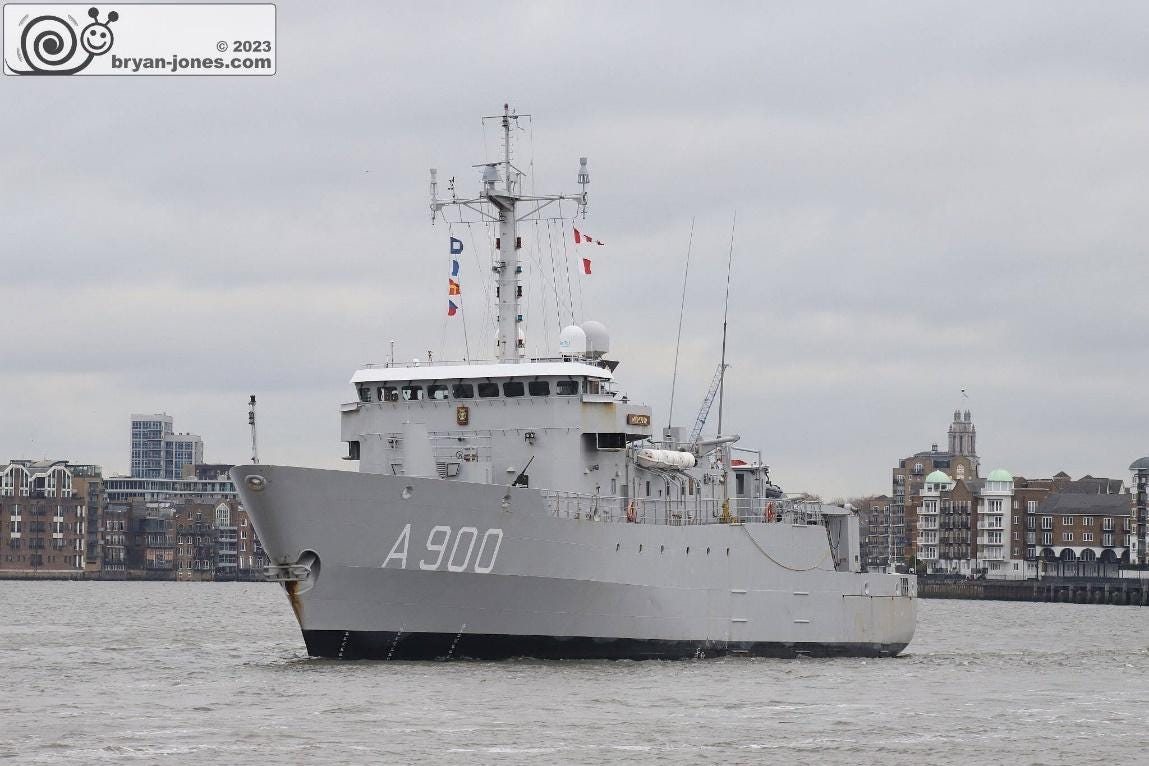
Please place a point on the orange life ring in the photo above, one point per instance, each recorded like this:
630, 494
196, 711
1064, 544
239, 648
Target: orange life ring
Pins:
770, 512
631, 514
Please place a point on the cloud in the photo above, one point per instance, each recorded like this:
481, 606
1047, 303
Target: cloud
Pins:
928, 198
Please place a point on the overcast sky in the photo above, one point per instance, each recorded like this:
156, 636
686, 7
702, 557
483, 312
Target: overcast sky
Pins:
930, 196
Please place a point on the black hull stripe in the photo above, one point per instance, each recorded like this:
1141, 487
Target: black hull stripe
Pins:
389, 645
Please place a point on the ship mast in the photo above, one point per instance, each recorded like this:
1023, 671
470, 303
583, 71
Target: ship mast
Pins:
499, 203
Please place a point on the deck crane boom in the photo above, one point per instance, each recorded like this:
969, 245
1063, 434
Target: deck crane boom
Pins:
704, 410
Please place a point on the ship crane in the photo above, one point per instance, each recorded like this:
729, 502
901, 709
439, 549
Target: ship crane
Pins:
707, 403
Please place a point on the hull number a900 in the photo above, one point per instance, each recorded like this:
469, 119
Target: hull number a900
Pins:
461, 551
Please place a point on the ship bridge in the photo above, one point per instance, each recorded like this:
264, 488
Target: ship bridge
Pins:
487, 422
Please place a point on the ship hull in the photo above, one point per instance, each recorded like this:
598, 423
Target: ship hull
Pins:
396, 645
413, 568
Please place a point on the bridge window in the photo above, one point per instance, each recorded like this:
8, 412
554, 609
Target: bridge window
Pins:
364, 394
463, 391
412, 393
513, 388
488, 390
539, 388
388, 394
566, 388
437, 392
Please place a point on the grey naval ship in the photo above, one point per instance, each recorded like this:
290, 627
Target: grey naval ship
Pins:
526, 507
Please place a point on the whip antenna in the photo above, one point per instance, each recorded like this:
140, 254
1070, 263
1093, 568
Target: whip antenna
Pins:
681, 311
725, 312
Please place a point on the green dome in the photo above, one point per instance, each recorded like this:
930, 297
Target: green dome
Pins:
1001, 475
938, 477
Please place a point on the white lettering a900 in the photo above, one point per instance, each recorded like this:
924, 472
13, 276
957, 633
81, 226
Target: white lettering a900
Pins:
462, 545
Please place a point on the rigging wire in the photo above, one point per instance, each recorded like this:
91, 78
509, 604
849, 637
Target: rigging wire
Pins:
486, 279
681, 312
554, 279
567, 265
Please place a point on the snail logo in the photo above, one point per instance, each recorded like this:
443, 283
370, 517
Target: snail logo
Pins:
48, 44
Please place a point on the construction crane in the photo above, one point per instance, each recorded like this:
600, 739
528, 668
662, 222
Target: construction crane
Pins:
704, 410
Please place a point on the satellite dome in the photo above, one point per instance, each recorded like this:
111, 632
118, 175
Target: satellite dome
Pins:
597, 338
572, 341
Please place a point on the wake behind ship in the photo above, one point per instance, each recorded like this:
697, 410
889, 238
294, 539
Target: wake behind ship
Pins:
525, 507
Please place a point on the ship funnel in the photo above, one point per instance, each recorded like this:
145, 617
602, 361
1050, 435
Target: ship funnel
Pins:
572, 341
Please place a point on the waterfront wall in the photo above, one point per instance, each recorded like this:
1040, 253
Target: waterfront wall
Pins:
132, 575
1123, 591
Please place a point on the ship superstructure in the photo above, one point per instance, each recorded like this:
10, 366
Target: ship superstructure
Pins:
526, 507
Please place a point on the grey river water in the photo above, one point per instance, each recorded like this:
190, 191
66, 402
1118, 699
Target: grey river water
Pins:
170, 673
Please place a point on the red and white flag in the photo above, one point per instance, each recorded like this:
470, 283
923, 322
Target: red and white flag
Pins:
586, 265
583, 239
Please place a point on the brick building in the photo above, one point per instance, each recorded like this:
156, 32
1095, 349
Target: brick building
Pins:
43, 523
196, 541
1138, 553
959, 461
962, 526
1007, 527
873, 529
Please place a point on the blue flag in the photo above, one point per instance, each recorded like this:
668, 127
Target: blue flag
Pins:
454, 268
456, 246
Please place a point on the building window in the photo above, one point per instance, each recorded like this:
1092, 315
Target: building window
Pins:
1067, 521
1047, 538
1086, 537
1047, 522
1031, 506
1107, 525
1087, 521
1066, 537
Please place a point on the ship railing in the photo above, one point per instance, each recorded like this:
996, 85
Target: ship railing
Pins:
688, 510
425, 363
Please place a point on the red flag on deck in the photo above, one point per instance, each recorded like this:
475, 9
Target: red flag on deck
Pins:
586, 265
